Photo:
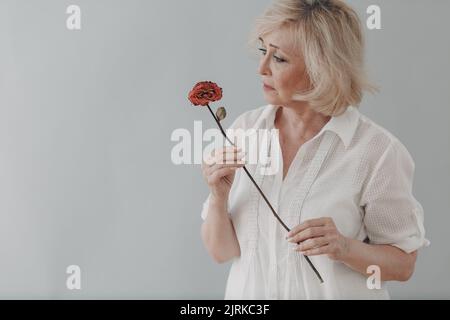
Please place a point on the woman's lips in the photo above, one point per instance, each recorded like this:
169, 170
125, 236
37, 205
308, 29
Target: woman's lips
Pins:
266, 87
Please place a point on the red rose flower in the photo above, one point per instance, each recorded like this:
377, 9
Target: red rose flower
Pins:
205, 92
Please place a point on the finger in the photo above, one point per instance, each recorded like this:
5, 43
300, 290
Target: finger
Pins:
307, 224
217, 153
318, 251
223, 150
216, 176
312, 243
214, 168
230, 157
220, 157
312, 232
207, 161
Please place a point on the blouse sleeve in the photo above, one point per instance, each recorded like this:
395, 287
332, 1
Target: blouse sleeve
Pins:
392, 215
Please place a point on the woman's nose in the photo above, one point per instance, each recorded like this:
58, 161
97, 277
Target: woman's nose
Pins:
264, 66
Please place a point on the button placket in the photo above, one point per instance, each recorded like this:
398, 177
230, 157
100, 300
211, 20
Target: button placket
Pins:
301, 193
274, 235
273, 198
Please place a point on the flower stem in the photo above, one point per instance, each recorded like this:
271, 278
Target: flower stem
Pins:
262, 193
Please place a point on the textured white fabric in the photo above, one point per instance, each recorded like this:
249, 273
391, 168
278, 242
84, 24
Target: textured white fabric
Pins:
354, 171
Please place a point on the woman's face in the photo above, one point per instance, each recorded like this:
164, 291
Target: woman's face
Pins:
281, 68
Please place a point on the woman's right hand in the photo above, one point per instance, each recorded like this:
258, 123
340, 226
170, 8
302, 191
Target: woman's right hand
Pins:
219, 170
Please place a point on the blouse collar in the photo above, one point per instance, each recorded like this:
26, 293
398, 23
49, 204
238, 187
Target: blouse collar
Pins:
343, 125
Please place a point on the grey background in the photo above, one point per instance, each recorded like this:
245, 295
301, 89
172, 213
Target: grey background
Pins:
86, 117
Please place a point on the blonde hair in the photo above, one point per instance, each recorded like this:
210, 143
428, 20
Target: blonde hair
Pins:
329, 36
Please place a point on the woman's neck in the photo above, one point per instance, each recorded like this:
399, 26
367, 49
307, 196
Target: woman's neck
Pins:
299, 122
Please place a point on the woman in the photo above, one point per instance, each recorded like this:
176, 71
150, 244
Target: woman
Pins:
344, 185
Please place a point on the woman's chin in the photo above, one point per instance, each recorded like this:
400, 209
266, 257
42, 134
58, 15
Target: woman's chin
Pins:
270, 94
272, 98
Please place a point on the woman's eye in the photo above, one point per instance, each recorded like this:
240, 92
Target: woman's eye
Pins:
277, 59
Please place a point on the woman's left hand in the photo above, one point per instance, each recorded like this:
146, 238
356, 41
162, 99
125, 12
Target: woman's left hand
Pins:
319, 236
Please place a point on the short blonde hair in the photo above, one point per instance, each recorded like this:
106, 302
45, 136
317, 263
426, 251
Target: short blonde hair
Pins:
329, 36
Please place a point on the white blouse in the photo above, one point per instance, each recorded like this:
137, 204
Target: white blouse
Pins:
354, 171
